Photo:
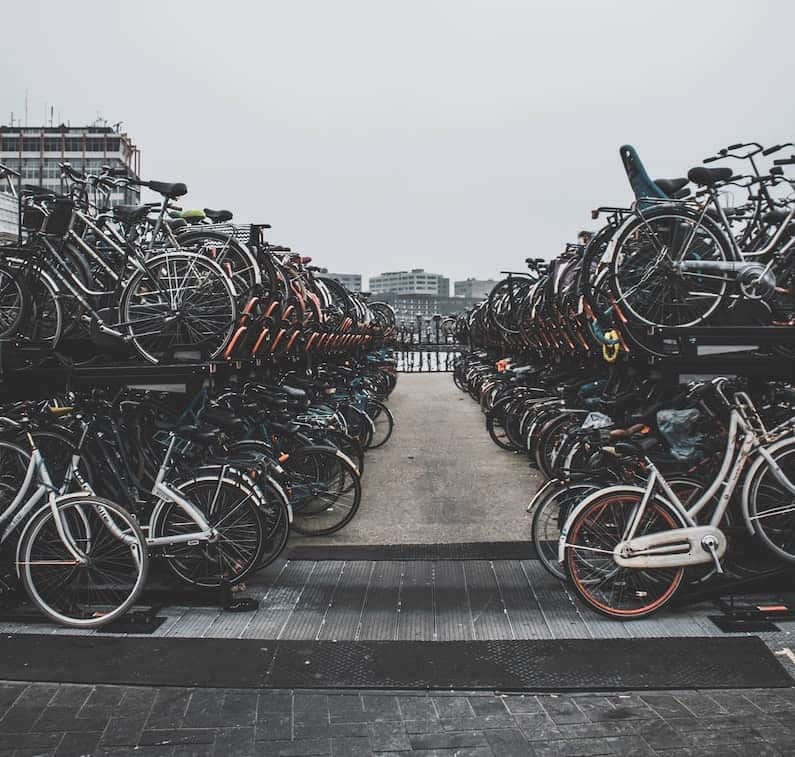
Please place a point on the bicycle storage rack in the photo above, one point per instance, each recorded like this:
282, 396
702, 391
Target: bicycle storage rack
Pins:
29, 370
751, 604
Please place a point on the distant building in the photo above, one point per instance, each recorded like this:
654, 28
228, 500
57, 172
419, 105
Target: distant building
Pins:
351, 281
408, 306
36, 151
474, 287
416, 281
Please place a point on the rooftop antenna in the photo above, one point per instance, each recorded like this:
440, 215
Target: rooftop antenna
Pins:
52, 110
26, 107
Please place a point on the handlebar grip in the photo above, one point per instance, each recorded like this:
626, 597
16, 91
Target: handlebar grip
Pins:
771, 150
711, 159
736, 147
784, 162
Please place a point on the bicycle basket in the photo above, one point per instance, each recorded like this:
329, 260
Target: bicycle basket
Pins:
59, 219
33, 219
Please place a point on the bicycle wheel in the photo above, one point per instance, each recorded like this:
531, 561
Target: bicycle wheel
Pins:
771, 507
233, 257
83, 595
325, 490
495, 425
232, 510
278, 527
14, 300
182, 306
605, 586
383, 422
648, 280
549, 517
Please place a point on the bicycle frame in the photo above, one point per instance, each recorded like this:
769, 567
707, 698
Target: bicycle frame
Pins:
667, 548
46, 488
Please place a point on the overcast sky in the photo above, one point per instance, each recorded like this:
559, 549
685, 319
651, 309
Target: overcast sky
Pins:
457, 136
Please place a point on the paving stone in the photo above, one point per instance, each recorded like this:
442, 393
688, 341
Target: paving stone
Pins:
538, 726
487, 705
20, 718
346, 709
145, 751
699, 703
138, 701
71, 695
80, 743
204, 709
416, 708
275, 702
316, 703
720, 736
447, 740
620, 745
9, 693
239, 709
168, 710
659, 734
452, 707
734, 702
105, 696
300, 748
424, 725
381, 707
563, 710
37, 741
478, 722
599, 729
161, 736
523, 704
351, 747
508, 742
38, 693
59, 719
389, 736
234, 742
123, 731
665, 705
274, 727
769, 701
197, 750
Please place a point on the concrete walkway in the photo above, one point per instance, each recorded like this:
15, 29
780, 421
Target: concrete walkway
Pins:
439, 479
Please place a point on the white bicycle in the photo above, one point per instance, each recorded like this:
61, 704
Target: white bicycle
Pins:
626, 548
81, 559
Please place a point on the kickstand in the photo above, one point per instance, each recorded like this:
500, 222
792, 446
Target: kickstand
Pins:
234, 603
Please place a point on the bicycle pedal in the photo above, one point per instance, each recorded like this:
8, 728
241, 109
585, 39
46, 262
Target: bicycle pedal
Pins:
710, 544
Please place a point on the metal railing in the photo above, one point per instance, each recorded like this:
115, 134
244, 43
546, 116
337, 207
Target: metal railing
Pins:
426, 346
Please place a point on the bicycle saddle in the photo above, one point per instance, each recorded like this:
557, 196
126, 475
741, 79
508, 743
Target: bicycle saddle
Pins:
671, 186
225, 419
172, 191
219, 216
199, 435
287, 429
292, 393
131, 213
707, 177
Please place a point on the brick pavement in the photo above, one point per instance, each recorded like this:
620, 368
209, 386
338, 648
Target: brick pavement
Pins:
53, 719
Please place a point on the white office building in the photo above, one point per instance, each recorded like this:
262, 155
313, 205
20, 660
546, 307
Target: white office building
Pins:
416, 281
36, 151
